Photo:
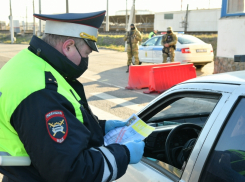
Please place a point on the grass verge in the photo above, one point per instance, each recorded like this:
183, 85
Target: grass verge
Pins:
112, 42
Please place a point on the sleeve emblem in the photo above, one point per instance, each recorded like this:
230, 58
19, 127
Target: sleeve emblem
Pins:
57, 126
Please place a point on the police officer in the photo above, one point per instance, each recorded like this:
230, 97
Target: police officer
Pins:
152, 34
44, 113
169, 41
133, 37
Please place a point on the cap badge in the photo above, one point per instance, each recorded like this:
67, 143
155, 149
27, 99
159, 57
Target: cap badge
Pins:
87, 36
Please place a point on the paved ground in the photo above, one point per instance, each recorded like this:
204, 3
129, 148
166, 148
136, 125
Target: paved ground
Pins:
104, 83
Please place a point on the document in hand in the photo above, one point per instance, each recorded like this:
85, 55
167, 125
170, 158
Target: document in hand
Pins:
135, 129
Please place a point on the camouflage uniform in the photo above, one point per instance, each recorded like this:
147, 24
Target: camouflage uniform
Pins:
171, 39
135, 36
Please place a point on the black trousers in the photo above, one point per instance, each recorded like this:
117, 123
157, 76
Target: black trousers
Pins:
5, 179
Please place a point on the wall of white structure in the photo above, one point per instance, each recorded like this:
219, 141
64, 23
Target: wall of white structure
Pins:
231, 36
198, 20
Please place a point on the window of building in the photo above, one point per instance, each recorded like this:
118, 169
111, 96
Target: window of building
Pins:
168, 16
233, 8
236, 6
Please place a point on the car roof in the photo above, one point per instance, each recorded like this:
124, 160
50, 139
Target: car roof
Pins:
236, 77
178, 34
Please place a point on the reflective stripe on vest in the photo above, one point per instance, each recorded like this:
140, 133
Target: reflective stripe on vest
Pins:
20, 77
4, 154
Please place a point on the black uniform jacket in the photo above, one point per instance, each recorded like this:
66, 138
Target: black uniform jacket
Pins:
73, 159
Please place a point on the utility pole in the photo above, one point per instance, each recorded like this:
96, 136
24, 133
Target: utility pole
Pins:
67, 6
39, 31
26, 18
11, 24
134, 13
131, 20
126, 21
34, 24
107, 17
186, 18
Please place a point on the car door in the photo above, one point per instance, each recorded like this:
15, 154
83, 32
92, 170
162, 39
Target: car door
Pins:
157, 51
161, 104
223, 144
178, 53
226, 161
146, 50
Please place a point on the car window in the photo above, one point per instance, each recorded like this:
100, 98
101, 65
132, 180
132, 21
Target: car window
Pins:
159, 41
151, 42
188, 39
185, 110
226, 162
166, 114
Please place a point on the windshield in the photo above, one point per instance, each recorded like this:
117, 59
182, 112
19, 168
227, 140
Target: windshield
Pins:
187, 39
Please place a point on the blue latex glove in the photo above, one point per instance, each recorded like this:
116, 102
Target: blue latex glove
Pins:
136, 149
111, 124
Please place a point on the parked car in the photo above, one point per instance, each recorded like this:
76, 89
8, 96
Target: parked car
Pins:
189, 49
199, 135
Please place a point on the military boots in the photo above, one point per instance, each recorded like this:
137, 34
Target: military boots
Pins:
127, 69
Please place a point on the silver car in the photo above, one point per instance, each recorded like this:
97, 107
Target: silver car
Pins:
200, 131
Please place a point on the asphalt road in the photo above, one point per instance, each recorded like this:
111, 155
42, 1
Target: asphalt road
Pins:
104, 83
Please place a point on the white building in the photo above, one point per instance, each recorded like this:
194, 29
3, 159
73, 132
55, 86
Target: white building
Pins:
137, 12
202, 20
231, 36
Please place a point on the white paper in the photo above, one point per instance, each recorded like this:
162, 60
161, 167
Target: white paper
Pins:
136, 129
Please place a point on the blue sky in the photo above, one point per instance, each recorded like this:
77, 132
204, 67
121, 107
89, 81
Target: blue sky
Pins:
79, 6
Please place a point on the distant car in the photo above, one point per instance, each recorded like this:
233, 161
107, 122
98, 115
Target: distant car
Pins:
199, 133
189, 49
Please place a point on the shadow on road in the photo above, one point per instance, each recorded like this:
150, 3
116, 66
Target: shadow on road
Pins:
3, 61
118, 77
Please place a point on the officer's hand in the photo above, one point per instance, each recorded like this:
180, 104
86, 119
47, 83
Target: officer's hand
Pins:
136, 149
166, 45
111, 124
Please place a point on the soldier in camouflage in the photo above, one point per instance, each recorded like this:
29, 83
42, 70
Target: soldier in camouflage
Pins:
133, 37
169, 41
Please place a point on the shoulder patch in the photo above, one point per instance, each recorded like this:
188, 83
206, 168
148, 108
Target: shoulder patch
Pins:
57, 125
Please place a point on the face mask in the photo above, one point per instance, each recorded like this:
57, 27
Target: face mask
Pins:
132, 28
169, 31
84, 62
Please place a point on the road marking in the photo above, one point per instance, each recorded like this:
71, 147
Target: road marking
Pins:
118, 101
118, 87
103, 114
5, 56
102, 82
